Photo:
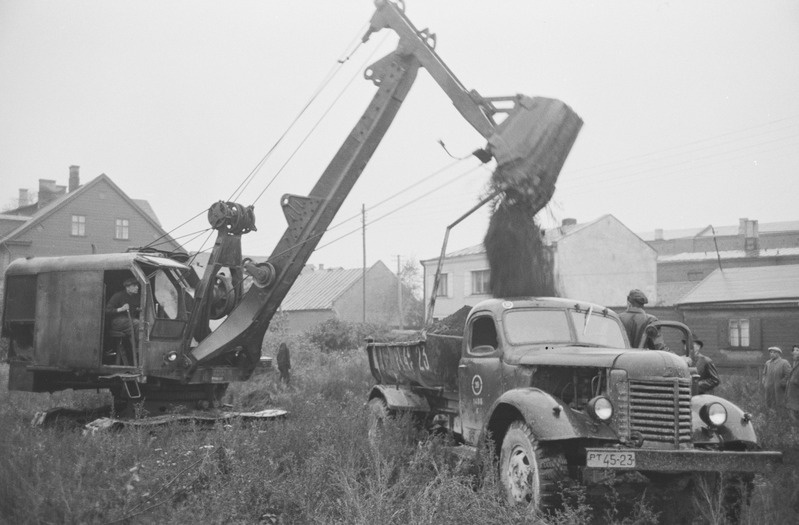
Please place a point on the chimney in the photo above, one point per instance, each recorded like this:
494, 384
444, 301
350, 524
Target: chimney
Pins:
658, 234
565, 223
321, 266
751, 235
742, 226
24, 197
74, 178
49, 191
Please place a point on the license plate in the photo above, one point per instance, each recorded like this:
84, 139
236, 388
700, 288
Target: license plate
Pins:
611, 459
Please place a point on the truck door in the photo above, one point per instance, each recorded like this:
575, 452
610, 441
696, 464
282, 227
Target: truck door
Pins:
479, 375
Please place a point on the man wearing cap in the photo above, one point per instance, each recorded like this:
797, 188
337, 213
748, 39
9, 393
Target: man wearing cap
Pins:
792, 391
636, 321
123, 308
775, 378
708, 375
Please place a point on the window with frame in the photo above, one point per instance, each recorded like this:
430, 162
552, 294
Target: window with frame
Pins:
481, 282
79, 225
443, 286
122, 230
739, 332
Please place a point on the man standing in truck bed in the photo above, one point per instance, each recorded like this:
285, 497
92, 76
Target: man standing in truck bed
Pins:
635, 319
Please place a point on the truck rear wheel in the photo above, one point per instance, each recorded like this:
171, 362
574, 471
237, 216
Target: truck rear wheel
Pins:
529, 470
378, 413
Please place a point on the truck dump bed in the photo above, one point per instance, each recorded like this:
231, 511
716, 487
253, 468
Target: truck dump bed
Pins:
430, 363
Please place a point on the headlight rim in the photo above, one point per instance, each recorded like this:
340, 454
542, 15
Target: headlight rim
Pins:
595, 413
712, 419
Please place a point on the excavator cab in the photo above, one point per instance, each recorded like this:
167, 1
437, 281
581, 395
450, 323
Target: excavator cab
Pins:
55, 318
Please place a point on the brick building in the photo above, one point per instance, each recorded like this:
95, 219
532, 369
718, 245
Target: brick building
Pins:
739, 312
97, 217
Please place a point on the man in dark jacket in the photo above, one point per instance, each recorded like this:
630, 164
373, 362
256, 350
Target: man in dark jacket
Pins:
123, 308
636, 320
708, 375
775, 378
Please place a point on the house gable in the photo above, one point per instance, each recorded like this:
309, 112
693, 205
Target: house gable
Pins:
381, 298
96, 206
602, 260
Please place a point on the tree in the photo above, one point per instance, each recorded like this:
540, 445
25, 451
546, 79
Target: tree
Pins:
412, 305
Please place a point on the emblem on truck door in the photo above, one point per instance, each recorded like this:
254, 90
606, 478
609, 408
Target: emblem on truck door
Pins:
477, 384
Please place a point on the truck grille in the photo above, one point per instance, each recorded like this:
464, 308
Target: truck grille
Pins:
660, 409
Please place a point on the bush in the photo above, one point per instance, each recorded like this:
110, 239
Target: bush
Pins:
336, 335
332, 335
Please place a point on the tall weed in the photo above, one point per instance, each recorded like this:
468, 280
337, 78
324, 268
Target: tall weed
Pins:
316, 466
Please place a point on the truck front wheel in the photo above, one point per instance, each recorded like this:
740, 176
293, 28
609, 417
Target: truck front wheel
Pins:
529, 470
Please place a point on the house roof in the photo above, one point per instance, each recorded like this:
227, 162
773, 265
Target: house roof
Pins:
728, 254
59, 203
754, 284
721, 231
319, 289
559, 232
670, 293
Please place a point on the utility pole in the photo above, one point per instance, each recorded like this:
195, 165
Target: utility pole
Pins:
363, 276
399, 295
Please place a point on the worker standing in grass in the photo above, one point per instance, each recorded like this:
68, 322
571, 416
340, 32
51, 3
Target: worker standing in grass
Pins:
792, 390
284, 363
775, 378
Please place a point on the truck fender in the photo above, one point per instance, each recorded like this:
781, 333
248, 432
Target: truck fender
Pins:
400, 398
736, 429
548, 418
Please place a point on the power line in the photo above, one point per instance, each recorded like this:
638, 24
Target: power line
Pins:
334, 69
319, 120
687, 144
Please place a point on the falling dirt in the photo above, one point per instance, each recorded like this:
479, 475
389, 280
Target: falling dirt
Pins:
521, 264
539, 139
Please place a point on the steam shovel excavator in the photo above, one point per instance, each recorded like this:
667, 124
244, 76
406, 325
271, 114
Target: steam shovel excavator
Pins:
53, 306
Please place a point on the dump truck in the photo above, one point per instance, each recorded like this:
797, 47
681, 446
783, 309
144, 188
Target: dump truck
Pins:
556, 387
54, 311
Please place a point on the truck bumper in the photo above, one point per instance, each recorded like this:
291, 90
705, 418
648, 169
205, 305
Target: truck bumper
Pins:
680, 460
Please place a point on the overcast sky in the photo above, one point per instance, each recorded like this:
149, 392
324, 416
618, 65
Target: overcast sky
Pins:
690, 108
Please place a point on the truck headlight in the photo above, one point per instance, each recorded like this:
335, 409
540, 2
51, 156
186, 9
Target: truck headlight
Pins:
713, 414
600, 408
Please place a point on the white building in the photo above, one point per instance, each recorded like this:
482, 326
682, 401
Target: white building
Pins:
598, 261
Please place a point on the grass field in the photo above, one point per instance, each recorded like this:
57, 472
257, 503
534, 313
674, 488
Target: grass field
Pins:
315, 467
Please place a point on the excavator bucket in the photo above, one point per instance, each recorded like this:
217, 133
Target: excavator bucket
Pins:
531, 146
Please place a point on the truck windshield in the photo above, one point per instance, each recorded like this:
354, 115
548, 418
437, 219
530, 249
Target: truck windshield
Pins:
537, 326
597, 329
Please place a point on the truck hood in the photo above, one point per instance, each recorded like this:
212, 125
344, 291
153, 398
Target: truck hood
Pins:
639, 364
